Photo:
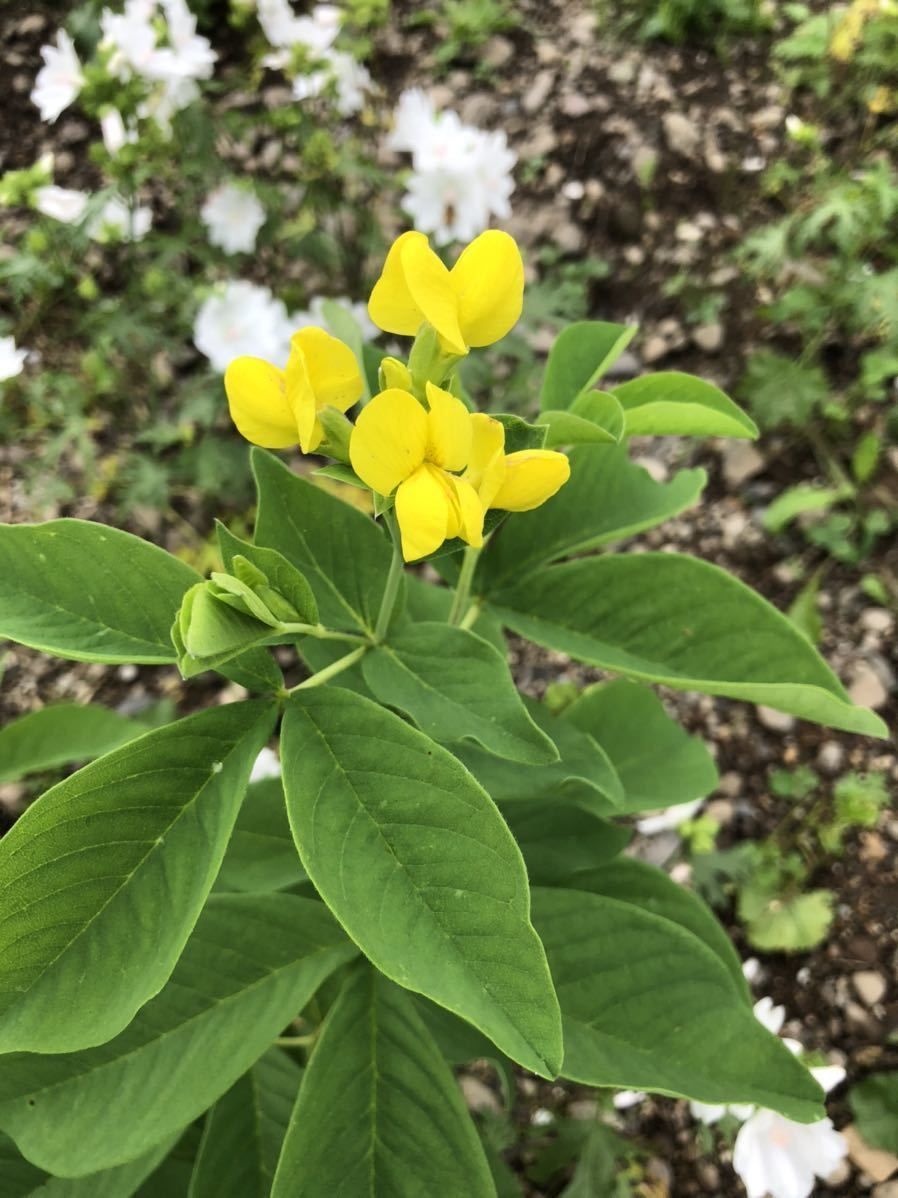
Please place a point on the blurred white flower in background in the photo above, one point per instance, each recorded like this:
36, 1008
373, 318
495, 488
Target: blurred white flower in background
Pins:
115, 133
624, 1099
315, 315
778, 1157
65, 204
59, 80
12, 360
233, 216
315, 34
350, 78
669, 819
266, 765
242, 318
461, 176
116, 221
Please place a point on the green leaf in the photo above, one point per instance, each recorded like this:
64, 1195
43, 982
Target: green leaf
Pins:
874, 1102
245, 1131
581, 354
607, 498
658, 763
559, 841
379, 1112
671, 619
252, 963
584, 775
781, 923
210, 633
261, 855
796, 501
88, 592
417, 864
424, 601
172, 1178
455, 686
651, 890
648, 1006
673, 404
61, 733
281, 575
256, 670
103, 877
342, 553
595, 416
20, 1179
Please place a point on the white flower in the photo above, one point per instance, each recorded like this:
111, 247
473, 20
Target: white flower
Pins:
778, 1157
61, 203
284, 29
315, 316
413, 121
266, 765
166, 99
242, 318
751, 969
189, 56
131, 36
12, 360
115, 134
116, 221
59, 80
668, 819
350, 78
233, 216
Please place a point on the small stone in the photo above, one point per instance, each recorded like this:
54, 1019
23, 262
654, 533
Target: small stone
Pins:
568, 237
682, 134
688, 231
655, 468
873, 848
622, 72
867, 688
708, 337
741, 461
538, 92
478, 1095
878, 1164
575, 105
831, 756
877, 619
654, 349
730, 784
497, 52
624, 367
776, 721
870, 986
583, 1108
733, 528
634, 255
573, 190
888, 1189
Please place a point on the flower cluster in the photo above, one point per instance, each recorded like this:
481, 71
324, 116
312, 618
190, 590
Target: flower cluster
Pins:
114, 221
415, 444
154, 41
461, 176
309, 40
233, 217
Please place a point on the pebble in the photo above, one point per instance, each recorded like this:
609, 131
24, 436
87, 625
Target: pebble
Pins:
870, 986
888, 1189
867, 688
497, 52
538, 92
575, 105
708, 337
880, 1165
776, 721
478, 1096
741, 461
654, 349
831, 756
730, 784
681, 134
877, 619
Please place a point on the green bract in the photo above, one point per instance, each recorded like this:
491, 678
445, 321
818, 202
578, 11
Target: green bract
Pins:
299, 962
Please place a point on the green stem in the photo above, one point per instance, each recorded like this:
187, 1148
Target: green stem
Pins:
463, 587
322, 634
472, 614
331, 671
297, 1041
391, 590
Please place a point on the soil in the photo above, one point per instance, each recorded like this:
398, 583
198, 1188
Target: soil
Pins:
647, 157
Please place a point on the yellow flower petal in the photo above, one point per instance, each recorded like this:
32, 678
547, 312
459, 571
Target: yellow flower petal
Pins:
424, 512
332, 366
448, 429
389, 440
301, 398
391, 306
488, 280
531, 477
486, 466
258, 403
469, 512
431, 288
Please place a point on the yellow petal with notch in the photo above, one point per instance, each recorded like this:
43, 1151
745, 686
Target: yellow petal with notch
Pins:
432, 290
469, 512
531, 477
449, 429
332, 366
424, 512
389, 440
486, 466
301, 398
391, 306
258, 403
488, 280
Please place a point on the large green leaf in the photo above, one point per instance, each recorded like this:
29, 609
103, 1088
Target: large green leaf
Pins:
874, 1102
172, 1178
666, 618
103, 877
245, 1130
595, 417
455, 685
379, 1112
20, 1179
59, 734
606, 499
261, 855
581, 354
342, 553
649, 1006
559, 840
418, 865
658, 763
251, 964
89, 592
652, 890
675, 404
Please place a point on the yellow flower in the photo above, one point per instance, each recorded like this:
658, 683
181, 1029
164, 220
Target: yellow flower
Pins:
474, 303
277, 408
397, 443
513, 482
